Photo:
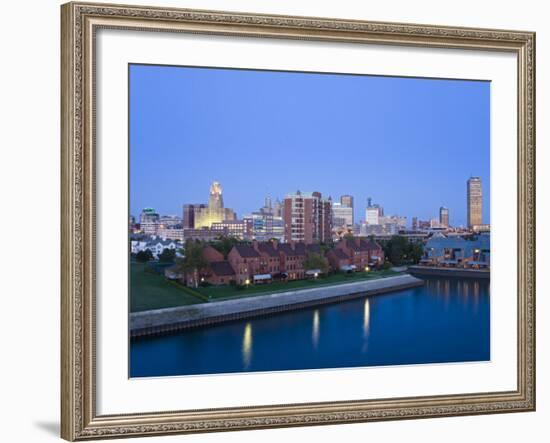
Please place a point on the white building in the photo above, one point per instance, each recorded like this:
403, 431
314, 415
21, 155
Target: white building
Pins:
342, 215
155, 245
373, 214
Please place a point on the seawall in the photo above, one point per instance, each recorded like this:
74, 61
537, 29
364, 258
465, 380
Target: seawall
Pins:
427, 271
163, 321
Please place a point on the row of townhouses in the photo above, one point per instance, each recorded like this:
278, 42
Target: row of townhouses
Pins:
263, 262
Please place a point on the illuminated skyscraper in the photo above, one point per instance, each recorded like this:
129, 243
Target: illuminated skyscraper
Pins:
474, 200
215, 212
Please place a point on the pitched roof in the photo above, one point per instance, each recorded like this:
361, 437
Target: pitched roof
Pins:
246, 251
370, 244
286, 249
364, 244
267, 248
314, 248
300, 248
339, 253
221, 268
351, 243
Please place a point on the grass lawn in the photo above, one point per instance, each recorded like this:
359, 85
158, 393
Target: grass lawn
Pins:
216, 293
152, 291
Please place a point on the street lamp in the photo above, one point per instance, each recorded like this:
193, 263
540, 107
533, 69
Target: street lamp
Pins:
367, 269
247, 282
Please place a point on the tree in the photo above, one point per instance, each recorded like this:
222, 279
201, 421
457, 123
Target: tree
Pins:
144, 256
167, 256
395, 249
399, 250
416, 252
225, 244
316, 261
193, 261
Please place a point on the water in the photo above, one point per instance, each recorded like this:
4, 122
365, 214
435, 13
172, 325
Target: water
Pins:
446, 320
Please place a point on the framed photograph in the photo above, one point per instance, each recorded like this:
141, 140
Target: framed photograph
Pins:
284, 221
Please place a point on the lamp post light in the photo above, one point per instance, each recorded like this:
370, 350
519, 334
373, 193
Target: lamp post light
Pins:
247, 282
367, 269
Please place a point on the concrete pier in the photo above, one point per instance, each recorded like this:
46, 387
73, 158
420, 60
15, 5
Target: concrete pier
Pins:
162, 321
433, 271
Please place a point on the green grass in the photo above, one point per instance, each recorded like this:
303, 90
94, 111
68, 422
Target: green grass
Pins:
216, 293
152, 291
149, 290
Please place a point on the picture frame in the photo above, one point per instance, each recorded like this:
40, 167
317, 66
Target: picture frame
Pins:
80, 24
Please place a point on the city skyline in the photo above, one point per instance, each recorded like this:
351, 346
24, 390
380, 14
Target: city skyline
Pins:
418, 152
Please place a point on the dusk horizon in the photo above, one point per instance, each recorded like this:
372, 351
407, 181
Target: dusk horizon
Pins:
395, 140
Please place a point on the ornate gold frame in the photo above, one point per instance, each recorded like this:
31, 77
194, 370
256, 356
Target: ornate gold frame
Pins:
79, 420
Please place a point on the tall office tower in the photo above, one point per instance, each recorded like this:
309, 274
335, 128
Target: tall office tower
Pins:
347, 202
443, 217
188, 219
307, 217
373, 213
278, 208
149, 221
415, 223
474, 201
204, 215
342, 215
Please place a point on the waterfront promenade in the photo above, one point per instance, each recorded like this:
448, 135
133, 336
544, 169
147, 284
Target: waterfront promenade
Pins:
168, 320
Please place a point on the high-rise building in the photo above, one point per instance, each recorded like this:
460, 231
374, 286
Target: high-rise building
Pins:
241, 229
474, 201
373, 213
347, 200
307, 217
278, 208
215, 211
188, 219
342, 215
415, 223
265, 226
149, 221
443, 217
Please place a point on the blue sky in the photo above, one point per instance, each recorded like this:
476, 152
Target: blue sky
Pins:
409, 143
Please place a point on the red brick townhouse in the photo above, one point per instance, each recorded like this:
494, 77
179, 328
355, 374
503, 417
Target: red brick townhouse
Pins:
339, 260
245, 261
292, 260
270, 259
362, 252
218, 271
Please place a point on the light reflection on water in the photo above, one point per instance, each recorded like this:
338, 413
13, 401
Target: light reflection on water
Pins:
446, 320
315, 329
247, 345
366, 318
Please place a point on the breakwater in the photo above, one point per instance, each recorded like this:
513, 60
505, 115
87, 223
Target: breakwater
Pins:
432, 271
168, 320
